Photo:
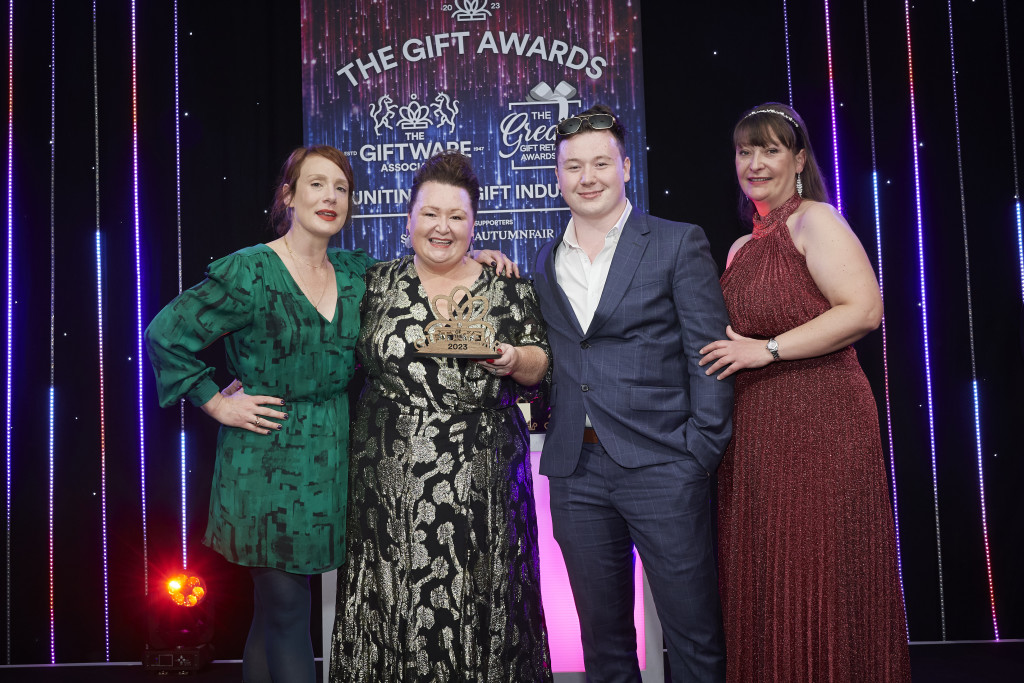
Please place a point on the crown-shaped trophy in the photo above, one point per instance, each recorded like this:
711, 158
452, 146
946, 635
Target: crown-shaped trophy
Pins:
459, 330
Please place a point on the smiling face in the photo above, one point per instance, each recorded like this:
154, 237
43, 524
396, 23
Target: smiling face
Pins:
767, 174
441, 225
592, 175
320, 197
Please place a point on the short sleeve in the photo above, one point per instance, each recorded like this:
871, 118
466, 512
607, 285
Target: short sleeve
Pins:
219, 305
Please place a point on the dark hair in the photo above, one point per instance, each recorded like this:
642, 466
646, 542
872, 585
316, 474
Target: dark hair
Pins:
771, 121
448, 168
617, 130
280, 213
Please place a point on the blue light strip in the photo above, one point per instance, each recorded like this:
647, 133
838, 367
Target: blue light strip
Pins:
53, 298
970, 329
99, 337
1013, 146
789, 70
881, 287
138, 303
832, 104
10, 300
924, 318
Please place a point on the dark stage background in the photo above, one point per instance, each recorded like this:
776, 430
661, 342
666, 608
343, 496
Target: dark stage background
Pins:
241, 112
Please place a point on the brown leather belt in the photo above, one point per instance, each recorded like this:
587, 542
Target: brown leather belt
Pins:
589, 435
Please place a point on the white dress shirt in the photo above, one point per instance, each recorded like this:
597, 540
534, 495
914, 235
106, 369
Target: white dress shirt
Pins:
581, 279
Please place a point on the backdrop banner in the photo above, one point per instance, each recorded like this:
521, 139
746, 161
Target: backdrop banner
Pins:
391, 82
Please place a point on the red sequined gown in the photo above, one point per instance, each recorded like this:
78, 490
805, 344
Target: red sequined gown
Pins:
810, 590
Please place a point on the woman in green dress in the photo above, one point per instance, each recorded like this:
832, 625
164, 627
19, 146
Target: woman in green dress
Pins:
289, 314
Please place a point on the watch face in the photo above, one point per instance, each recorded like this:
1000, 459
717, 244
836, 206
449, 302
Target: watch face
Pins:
773, 345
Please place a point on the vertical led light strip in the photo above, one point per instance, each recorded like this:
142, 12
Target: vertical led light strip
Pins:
789, 70
181, 403
99, 336
970, 329
10, 298
832, 104
924, 316
881, 287
1013, 142
53, 298
138, 303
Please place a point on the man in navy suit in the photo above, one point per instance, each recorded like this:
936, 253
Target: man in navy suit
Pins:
636, 426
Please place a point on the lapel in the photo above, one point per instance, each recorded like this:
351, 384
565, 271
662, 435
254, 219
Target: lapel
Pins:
630, 250
561, 300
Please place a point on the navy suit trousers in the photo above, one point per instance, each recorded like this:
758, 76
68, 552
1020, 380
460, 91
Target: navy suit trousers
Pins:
599, 513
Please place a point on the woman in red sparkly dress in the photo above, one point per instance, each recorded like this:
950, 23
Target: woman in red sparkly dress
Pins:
810, 589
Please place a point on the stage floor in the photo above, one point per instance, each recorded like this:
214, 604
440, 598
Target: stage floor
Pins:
931, 663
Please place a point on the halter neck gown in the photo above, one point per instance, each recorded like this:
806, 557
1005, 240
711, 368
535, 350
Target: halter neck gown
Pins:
810, 590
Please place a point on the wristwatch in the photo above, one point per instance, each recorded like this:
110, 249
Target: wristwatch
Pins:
773, 348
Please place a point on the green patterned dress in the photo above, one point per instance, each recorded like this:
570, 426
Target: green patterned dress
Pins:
442, 581
277, 500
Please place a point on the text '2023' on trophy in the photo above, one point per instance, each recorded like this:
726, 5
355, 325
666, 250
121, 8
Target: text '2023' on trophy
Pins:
459, 329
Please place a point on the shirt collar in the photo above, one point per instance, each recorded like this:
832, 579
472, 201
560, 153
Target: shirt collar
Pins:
613, 235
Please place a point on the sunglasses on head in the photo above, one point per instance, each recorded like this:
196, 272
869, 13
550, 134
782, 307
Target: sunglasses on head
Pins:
573, 124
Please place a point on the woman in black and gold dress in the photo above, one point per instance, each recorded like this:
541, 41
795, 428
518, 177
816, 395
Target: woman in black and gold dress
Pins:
442, 577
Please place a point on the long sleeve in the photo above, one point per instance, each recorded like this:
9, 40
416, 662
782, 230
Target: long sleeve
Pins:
219, 305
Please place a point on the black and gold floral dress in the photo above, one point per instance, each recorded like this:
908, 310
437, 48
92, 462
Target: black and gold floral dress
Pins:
442, 579
279, 499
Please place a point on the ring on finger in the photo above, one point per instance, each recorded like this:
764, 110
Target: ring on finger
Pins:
256, 421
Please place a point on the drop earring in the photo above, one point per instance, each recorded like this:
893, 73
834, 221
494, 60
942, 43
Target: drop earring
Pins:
799, 185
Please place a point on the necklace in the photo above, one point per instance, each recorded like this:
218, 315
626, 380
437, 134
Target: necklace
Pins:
323, 289
297, 259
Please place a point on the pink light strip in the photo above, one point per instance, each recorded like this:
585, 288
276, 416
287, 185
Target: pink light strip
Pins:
99, 336
924, 317
970, 330
832, 104
53, 298
183, 455
138, 302
10, 297
881, 287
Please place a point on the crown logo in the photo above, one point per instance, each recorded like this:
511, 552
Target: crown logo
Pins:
415, 116
459, 330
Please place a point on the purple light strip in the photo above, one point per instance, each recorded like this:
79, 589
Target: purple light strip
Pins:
53, 298
10, 296
99, 336
970, 329
138, 303
789, 70
924, 317
181, 404
1013, 144
832, 104
881, 287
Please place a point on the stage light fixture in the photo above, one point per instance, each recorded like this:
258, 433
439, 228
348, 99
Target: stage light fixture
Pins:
180, 622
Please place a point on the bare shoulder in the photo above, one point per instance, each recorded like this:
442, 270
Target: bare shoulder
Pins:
817, 221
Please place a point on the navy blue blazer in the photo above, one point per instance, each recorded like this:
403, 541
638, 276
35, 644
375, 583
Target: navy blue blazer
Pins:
635, 370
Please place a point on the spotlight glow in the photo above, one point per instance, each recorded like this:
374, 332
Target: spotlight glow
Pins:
924, 319
185, 590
